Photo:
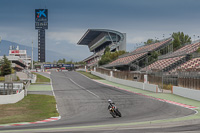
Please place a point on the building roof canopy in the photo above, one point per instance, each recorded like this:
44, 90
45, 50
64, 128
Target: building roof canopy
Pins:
91, 34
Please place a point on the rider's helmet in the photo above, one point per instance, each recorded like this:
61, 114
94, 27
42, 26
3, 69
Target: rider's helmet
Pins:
110, 101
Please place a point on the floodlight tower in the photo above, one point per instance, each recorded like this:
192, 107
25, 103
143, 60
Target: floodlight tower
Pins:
32, 57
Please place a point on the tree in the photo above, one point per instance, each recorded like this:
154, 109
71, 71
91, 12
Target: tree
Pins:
108, 57
198, 50
70, 62
61, 61
150, 41
54, 62
176, 42
64, 60
81, 62
153, 57
154, 54
180, 39
107, 49
5, 66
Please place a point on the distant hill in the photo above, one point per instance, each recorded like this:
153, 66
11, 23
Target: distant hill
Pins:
50, 55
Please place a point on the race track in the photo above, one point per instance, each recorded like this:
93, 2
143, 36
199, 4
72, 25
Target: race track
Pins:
83, 102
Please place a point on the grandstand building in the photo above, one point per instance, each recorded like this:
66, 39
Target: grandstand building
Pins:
138, 58
19, 59
98, 39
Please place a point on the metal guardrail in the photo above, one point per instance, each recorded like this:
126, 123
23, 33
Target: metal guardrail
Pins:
8, 88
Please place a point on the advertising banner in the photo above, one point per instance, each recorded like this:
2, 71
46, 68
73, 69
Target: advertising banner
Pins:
41, 18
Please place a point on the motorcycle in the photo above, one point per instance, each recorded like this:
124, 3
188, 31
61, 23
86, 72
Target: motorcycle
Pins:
114, 112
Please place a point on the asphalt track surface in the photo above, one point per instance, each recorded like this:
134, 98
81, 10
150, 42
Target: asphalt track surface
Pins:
83, 102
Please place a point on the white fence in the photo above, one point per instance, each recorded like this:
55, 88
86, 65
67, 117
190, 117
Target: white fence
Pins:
186, 92
6, 99
139, 85
180, 91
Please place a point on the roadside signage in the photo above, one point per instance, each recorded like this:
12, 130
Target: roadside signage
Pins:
58, 65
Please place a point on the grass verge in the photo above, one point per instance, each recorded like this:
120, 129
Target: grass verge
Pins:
41, 78
89, 75
2, 78
32, 108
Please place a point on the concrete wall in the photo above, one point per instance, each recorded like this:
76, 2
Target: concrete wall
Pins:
81, 70
139, 85
6, 99
186, 92
34, 78
151, 87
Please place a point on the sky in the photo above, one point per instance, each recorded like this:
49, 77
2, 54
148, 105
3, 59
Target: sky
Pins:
68, 20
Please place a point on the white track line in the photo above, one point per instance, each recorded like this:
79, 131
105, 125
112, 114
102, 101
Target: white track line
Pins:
79, 85
83, 88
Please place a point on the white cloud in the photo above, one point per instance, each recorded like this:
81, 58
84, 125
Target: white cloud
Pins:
58, 42
3, 35
71, 37
137, 39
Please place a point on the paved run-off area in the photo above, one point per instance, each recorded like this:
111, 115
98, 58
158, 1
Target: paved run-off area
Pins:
166, 97
44, 89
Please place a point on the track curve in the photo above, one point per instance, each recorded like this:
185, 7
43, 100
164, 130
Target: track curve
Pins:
83, 102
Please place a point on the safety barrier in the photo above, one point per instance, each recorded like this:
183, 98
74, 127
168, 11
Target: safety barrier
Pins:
186, 92
81, 70
180, 91
139, 85
6, 99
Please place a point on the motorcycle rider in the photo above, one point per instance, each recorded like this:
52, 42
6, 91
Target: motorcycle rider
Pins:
116, 111
111, 103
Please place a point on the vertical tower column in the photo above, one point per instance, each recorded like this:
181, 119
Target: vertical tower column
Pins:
41, 45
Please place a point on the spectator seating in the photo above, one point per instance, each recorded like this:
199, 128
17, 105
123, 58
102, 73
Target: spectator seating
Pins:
136, 54
151, 47
191, 64
163, 64
174, 58
125, 60
187, 49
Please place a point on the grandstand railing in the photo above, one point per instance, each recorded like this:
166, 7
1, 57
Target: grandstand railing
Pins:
179, 53
195, 55
147, 49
